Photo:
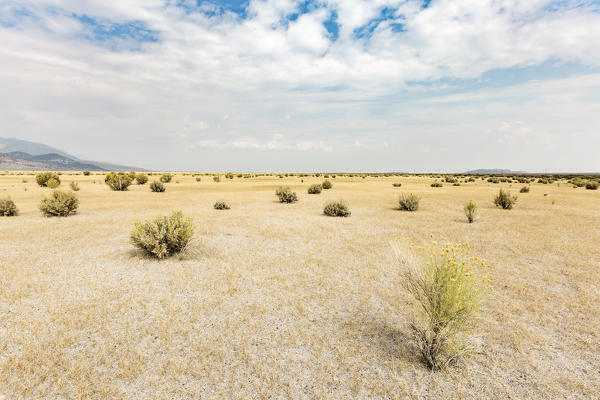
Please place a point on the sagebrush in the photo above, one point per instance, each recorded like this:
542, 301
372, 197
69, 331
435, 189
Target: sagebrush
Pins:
59, 204
286, 195
163, 236
8, 208
408, 202
338, 208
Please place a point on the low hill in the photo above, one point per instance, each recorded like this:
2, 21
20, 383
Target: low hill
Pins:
18, 160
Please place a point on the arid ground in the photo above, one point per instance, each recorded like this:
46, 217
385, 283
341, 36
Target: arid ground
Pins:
279, 301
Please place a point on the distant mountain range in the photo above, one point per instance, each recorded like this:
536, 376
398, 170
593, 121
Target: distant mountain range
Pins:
17, 154
495, 172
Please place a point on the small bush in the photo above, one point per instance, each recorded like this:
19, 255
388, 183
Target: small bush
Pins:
436, 184
141, 179
524, 189
505, 200
471, 211
327, 184
86, 173
221, 205
8, 208
408, 202
198, 179
166, 178
337, 208
591, 185
396, 184
163, 236
286, 195
59, 204
43, 178
315, 189
229, 175
157, 187
447, 289
53, 183
216, 179
118, 181
74, 186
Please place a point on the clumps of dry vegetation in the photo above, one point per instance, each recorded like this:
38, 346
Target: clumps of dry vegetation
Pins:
118, 181
74, 186
338, 208
408, 202
315, 189
141, 179
166, 178
216, 179
157, 187
221, 205
471, 211
436, 184
524, 189
446, 288
8, 208
48, 179
163, 236
286, 195
591, 185
59, 204
397, 184
86, 173
505, 200
327, 184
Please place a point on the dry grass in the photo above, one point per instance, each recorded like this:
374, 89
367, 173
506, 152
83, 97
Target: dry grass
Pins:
282, 302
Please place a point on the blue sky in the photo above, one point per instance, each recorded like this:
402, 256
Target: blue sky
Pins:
283, 85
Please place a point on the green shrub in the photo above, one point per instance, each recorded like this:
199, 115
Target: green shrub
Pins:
59, 204
436, 184
447, 289
157, 187
163, 236
591, 185
141, 179
396, 184
524, 189
505, 200
471, 211
408, 202
86, 173
166, 178
53, 183
315, 189
338, 208
327, 184
118, 181
221, 205
43, 178
8, 208
74, 186
286, 195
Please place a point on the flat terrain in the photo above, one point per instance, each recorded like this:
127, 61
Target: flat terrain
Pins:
280, 301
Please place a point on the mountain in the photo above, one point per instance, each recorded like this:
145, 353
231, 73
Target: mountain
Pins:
11, 145
18, 160
495, 172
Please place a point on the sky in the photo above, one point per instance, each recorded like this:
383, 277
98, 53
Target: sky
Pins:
301, 86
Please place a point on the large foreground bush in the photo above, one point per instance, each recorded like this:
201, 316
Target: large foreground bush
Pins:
8, 208
163, 236
505, 200
408, 202
43, 178
286, 195
338, 208
446, 288
59, 204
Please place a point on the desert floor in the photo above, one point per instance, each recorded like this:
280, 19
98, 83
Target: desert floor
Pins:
279, 301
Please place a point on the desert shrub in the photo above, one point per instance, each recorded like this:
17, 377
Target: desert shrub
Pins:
229, 175
221, 205
456, 184
408, 202
591, 185
163, 236
53, 183
327, 184
43, 177
59, 204
166, 178
338, 208
141, 179
216, 179
157, 187
8, 208
315, 189
286, 195
447, 289
450, 179
524, 189
396, 184
198, 179
505, 200
471, 211
543, 181
436, 184
493, 180
118, 181
86, 173
74, 186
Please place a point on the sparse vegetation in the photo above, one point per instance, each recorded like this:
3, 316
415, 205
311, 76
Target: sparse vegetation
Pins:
436, 184
59, 204
314, 189
86, 173
327, 184
471, 211
216, 179
221, 205
408, 202
74, 186
166, 178
286, 195
397, 184
524, 189
141, 179
505, 200
53, 183
43, 178
118, 181
338, 208
8, 208
157, 187
163, 236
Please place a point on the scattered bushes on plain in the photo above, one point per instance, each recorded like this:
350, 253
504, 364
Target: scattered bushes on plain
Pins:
43, 178
163, 236
447, 289
315, 189
286, 195
338, 208
408, 202
74, 186
327, 184
141, 179
166, 178
471, 211
59, 204
524, 189
118, 181
8, 208
221, 205
505, 200
157, 187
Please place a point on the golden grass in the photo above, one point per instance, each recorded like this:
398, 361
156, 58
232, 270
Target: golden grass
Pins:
278, 301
